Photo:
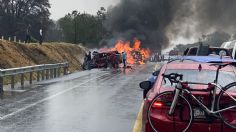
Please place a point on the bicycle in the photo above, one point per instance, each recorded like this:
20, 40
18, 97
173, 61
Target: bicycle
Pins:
177, 107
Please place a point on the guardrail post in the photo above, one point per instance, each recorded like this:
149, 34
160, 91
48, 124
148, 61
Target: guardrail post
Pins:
51, 73
2, 37
9, 38
43, 73
59, 72
65, 70
31, 77
22, 80
55, 72
1, 84
47, 74
13, 81
38, 76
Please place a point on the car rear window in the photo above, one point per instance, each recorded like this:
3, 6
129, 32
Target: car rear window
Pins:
204, 76
192, 51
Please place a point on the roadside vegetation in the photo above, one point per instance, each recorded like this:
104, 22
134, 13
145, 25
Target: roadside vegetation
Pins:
20, 17
20, 55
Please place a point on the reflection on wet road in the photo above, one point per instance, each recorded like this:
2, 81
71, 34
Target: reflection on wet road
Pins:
104, 100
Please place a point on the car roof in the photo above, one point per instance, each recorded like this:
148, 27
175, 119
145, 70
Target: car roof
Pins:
195, 66
193, 62
208, 59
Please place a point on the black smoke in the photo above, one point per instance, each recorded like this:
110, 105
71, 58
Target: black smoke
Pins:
157, 22
145, 19
216, 14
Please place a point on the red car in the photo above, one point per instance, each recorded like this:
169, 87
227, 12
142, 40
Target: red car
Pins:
191, 72
107, 59
103, 60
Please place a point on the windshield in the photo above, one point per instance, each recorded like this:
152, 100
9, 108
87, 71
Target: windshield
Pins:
204, 76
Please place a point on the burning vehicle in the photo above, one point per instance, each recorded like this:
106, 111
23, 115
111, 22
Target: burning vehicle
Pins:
110, 59
135, 54
138, 57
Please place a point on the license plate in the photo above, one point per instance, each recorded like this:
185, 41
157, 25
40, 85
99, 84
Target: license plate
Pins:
198, 113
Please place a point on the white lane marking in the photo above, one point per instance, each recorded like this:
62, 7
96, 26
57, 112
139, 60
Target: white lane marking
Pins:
43, 100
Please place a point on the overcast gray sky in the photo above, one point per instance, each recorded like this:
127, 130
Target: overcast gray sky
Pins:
60, 8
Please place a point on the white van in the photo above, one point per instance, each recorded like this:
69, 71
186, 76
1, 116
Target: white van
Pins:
231, 45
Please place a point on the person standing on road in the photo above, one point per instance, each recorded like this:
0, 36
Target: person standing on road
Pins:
40, 36
124, 58
89, 59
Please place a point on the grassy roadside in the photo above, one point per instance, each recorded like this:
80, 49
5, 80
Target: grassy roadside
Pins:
19, 55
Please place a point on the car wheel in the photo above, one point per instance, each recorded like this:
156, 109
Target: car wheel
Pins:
225, 100
158, 117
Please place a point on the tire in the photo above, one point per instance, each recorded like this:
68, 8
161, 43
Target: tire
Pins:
227, 116
145, 93
85, 66
180, 121
109, 65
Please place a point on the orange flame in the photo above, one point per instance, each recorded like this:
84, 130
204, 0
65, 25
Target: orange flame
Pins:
135, 54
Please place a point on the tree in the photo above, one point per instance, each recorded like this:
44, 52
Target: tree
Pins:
54, 33
101, 14
17, 15
217, 38
66, 24
83, 28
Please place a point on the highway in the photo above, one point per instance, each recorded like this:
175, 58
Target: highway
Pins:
98, 100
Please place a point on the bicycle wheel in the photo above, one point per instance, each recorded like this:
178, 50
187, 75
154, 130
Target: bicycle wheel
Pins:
224, 101
161, 121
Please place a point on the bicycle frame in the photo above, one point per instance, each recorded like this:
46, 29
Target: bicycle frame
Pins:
181, 90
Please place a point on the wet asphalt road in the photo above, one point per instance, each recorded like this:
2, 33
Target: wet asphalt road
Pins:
104, 100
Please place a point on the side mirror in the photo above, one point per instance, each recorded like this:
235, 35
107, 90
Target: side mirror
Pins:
145, 85
156, 73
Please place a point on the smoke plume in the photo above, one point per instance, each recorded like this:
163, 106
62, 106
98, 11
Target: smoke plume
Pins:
158, 22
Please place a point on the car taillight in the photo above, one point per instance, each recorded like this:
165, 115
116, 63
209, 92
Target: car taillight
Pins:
157, 104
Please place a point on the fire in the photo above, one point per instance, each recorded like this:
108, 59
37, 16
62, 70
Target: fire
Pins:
135, 54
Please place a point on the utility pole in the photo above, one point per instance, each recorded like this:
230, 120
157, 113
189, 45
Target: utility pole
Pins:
75, 14
75, 41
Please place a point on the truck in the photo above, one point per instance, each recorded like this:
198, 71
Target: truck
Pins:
231, 46
206, 50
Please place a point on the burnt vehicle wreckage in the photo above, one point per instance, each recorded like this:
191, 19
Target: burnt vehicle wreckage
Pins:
110, 59
137, 56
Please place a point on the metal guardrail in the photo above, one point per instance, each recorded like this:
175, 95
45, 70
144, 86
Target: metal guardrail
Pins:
45, 71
